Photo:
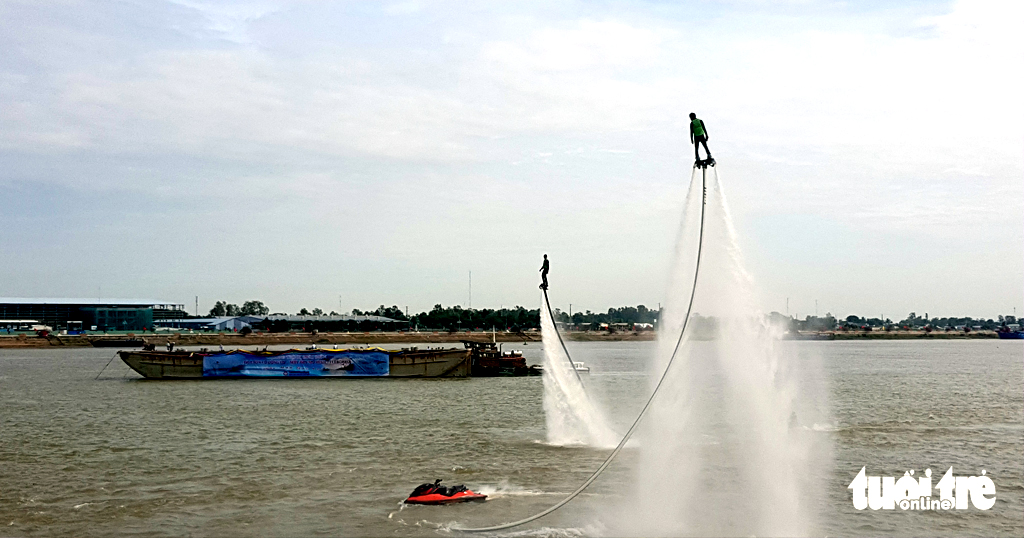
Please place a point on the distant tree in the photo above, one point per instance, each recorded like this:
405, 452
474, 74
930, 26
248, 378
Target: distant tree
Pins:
254, 308
303, 312
317, 312
392, 312
233, 310
219, 310
333, 313
456, 317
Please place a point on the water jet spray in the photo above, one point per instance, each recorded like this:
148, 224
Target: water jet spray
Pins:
629, 433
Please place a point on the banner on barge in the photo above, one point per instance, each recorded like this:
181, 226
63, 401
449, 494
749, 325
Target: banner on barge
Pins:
298, 364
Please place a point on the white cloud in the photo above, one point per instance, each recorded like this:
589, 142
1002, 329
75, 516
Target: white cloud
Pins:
229, 20
870, 129
586, 45
403, 8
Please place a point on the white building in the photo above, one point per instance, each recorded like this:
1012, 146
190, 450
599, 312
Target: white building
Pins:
231, 324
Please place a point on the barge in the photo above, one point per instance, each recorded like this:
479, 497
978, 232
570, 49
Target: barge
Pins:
354, 363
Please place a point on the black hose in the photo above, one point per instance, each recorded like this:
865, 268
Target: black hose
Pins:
560, 341
629, 433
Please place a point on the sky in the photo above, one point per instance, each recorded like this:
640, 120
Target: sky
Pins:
346, 155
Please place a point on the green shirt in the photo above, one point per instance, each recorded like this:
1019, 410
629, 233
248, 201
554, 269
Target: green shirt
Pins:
697, 127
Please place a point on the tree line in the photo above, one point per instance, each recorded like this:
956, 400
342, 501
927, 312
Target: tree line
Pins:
458, 318
912, 322
518, 318
249, 308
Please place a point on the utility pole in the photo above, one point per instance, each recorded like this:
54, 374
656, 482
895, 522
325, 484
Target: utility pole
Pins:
471, 290
815, 308
197, 306
787, 306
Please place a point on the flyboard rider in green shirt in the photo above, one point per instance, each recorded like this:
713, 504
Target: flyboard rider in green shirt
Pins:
698, 136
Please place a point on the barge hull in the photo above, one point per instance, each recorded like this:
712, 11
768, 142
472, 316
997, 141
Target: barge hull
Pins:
186, 365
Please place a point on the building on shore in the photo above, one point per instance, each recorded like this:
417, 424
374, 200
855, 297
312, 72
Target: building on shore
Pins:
229, 324
286, 323
90, 314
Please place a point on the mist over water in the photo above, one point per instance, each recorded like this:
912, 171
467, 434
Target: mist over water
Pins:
726, 447
572, 416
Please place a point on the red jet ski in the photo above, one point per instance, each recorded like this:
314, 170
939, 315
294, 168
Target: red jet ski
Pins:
437, 494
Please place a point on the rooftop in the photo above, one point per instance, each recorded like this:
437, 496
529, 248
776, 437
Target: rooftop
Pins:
211, 321
84, 301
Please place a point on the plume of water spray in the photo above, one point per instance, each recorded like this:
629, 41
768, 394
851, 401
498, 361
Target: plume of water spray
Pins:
572, 417
722, 451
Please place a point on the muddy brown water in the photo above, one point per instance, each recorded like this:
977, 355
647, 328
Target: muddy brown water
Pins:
122, 456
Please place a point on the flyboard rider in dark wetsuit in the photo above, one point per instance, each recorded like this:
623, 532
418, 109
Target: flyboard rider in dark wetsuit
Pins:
544, 274
698, 136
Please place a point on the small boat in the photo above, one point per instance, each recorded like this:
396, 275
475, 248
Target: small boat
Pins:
489, 360
437, 494
1009, 334
580, 367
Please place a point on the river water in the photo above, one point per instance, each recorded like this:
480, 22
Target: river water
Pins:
335, 457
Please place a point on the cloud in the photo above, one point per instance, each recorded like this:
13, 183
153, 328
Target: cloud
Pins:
891, 124
583, 46
229, 20
403, 8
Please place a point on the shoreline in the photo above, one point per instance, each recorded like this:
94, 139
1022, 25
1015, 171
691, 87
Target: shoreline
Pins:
24, 341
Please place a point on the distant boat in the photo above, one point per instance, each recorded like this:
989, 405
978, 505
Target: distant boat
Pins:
490, 361
1010, 335
580, 367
